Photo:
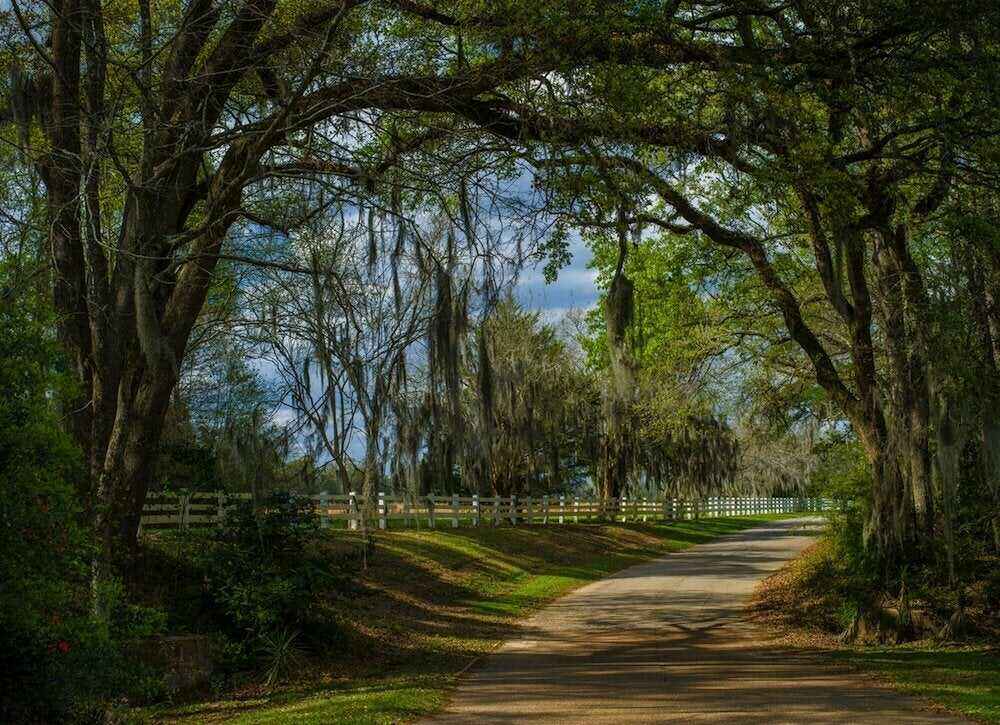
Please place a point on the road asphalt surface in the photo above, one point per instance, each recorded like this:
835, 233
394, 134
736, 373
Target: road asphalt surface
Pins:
667, 641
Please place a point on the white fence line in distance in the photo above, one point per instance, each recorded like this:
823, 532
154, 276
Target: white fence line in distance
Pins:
202, 510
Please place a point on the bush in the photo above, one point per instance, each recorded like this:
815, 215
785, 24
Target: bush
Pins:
261, 581
57, 663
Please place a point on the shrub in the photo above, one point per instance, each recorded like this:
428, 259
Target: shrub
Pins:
280, 653
58, 663
261, 581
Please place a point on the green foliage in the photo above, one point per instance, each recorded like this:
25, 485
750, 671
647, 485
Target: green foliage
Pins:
555, 251
185, 461
843, 473
41, 547
57, 661
281, 654
529, 402
262, 581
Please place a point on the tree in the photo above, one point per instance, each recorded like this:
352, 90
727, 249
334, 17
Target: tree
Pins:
160, 134
806, 139
530, 406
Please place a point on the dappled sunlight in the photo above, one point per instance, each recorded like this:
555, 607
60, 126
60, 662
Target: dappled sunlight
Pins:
672, 634
429, 603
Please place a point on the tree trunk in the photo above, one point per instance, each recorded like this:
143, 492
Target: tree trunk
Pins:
128, 464
889, 526
373, 469
989, 419
909, 423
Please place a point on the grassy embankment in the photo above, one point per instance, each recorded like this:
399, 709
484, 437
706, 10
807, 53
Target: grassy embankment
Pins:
803, 604
430, 603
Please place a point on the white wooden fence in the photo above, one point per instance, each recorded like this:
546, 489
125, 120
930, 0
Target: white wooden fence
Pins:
184, 510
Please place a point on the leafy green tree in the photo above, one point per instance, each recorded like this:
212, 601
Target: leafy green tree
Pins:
166, 136
820, 145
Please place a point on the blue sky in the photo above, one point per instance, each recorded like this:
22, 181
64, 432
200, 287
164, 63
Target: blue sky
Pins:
574, 287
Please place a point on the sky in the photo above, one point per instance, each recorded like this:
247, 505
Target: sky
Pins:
574, 288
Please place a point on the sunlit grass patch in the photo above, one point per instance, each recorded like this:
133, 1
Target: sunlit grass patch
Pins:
967, 681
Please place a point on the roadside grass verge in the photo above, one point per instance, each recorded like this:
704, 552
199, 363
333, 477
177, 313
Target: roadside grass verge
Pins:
429, 604
802, 606
966, 681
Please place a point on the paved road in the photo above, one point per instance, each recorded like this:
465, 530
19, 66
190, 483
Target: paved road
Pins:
665, 642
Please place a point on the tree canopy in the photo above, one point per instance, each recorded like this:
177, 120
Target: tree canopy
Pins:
804, 184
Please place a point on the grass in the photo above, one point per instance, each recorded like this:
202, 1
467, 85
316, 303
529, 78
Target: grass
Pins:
964, 681
803, 603
430, 603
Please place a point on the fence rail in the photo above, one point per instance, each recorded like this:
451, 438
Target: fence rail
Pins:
194, 510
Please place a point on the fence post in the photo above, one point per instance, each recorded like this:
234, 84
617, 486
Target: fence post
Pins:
183, 504
352, 511
576, 509
431, 514
513, 509
324, 521
220, 508
545, 509
562, 508
496, 510
529, 513
475, 509
454, 511
383, 514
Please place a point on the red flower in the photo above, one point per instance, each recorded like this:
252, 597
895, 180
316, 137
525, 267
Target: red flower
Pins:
63, 646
